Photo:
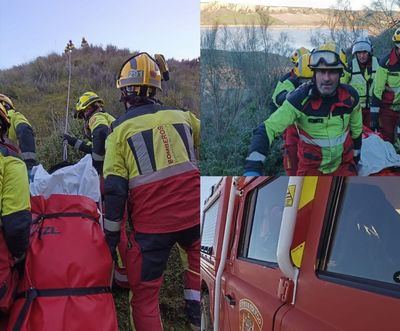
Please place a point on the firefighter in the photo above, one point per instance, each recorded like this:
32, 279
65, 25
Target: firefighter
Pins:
150, 166
301, 74
362, 73
386, 91
328, 117
284, 81
20, 133
14, 212
97, 122
84, 43
69, 47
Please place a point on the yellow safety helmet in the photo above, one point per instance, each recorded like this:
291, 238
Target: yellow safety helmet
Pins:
84, 101
396, 36
302, 69
298, 53
141, 70
332, 46
327, 56
6, 101
3, 115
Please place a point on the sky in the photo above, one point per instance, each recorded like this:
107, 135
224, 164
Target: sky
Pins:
355, 4
29, 29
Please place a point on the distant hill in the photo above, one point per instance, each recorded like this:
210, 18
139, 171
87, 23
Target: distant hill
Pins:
244, 14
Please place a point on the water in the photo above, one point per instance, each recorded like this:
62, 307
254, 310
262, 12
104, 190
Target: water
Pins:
297, 37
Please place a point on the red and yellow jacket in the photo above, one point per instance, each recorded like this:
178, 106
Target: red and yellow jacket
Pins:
151, 161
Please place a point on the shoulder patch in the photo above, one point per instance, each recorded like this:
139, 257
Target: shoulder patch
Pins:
297, 97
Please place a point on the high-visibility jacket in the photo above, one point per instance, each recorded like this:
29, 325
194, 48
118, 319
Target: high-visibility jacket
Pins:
284, 84
362, 80
98, 127
14, 202
150, 152
386, 92
21, 134
326, 125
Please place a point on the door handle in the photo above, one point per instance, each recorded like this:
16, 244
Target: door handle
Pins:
229, 299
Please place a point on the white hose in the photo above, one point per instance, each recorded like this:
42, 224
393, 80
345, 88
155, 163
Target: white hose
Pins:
65, 143
295, 187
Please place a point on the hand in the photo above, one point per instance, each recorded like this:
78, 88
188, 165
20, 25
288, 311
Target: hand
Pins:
70, 139
374, 120
112, 239
356, 156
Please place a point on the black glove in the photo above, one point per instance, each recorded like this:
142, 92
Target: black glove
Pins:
357, 156
374, 121
112, 239
70, 139
19, 265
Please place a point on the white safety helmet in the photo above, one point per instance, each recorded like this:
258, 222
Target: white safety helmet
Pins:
362, 44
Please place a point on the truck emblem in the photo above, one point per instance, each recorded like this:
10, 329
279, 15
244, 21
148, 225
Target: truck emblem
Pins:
250, 318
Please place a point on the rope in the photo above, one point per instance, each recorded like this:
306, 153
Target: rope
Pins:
65, 143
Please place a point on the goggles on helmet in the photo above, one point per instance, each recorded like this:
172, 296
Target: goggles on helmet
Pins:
329, 58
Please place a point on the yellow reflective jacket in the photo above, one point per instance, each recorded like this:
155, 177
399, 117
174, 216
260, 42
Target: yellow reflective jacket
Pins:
14, 202
386, 92
21, 133
98, 127
363, 81
150, 152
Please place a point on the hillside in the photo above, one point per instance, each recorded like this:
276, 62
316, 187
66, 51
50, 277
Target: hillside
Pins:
213, 13
39, 89
244, 14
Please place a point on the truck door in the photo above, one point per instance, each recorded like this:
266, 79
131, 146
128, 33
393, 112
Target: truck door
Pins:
350, 273
251, 277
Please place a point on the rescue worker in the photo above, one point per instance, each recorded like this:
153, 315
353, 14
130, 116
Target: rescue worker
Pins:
302, 73
386, 91
84, 43
69, 47
362, 73
97, 122
282, 83
20, 133
150, 166
328, 117
15, 215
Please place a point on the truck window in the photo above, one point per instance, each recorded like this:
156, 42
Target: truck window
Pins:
363, 245
264, 208
208, 228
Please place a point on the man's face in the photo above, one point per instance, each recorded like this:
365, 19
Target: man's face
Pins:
362, 57
327, 80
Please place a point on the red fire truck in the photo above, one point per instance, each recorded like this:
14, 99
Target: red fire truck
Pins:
301, 254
